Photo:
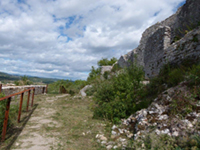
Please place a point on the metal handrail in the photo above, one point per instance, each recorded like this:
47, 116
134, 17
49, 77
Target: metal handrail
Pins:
8, 98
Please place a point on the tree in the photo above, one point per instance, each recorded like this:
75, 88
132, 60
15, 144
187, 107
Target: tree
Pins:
106, 62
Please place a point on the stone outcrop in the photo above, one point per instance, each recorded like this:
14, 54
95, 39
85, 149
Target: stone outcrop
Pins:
106, 68
159, 44
83, 90
175, 112
168, 105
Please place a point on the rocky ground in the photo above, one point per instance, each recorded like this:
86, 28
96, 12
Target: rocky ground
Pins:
175, 112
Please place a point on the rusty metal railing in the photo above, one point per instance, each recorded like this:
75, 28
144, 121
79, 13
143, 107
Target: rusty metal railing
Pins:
8, 98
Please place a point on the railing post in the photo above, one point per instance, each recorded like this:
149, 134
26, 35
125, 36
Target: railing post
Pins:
33, 97
20, 107
43, 90
29, 92
0, 88
5, 123
46, 88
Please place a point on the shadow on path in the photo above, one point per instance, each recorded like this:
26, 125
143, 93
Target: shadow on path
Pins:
14, 132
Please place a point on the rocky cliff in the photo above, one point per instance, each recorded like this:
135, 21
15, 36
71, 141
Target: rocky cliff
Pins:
170, 41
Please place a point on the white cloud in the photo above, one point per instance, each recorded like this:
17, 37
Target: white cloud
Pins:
64, 38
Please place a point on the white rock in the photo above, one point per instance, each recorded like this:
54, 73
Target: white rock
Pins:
103, 142
154, 124
114, 133
163, 117
157, 131
114, 127
130, 135
152, 112
169, 98
109, 147
175, 133
126, 131
166, 131
121, 131
103, 138
115, 147
97, 136
17, 144
121, 139
188, 123
143, 146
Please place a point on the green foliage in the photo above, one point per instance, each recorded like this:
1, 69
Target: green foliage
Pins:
66, 86
94, 73
170, 75
106, 74
24, 81
106, 62
116, 98
123, 94
116, 68
165, 142
2, 111
180, 32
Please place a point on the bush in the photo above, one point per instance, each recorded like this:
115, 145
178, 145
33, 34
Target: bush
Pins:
66, 86
165, 142
106, 62
116, 98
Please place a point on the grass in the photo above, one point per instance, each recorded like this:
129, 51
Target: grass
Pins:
77, 129
14, 127
66, 119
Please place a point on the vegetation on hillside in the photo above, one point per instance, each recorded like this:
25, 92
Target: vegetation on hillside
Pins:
8, 78
124, 94
95, 73
106, 62
66, 86
115, 98
23, 81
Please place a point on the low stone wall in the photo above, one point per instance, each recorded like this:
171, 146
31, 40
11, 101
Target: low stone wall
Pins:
8, 90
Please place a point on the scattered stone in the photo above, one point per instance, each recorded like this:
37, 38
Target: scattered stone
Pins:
109, 147
115, 147
114, 133
103, 138
114, 127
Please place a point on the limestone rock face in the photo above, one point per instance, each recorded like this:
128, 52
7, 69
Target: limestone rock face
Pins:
105, 68
82, 91
158, 44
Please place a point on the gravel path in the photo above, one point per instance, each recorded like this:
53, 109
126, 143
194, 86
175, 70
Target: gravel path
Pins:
33, 137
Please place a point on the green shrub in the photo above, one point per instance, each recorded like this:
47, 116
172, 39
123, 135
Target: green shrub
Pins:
116, 68
165, 142
106, 62
116, 98
175, 77
66, 86
94, 73
194, 75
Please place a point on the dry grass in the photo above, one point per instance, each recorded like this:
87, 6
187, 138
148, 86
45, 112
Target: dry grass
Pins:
59, 122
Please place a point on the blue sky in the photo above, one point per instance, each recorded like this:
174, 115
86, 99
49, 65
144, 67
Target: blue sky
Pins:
64, 38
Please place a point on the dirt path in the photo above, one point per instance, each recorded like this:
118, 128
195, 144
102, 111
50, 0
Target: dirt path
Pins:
61, 122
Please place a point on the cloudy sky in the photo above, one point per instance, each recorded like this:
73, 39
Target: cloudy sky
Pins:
64, 38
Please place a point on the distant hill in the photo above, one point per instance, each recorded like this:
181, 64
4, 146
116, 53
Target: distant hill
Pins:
5, 77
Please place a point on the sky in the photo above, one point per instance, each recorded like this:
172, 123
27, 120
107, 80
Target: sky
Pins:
64, 38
